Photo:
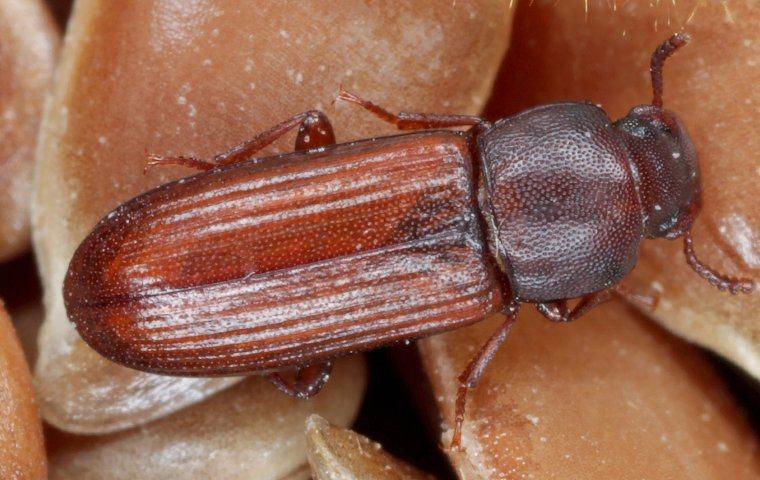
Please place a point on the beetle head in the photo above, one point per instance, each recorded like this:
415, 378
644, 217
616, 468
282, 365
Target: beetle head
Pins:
665, 163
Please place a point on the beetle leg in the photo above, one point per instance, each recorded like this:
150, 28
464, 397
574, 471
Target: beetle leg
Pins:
412, 121
307, 382
558, 311
470, 376
156, 160
314, 131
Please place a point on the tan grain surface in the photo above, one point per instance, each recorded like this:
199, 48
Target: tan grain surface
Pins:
248, 431
28, 49
608, 396
339, 454
22, 449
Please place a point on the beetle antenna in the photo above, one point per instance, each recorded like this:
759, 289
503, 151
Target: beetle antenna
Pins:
714, 278
659, 56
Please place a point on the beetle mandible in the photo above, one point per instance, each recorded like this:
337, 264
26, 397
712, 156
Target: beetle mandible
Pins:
282, 263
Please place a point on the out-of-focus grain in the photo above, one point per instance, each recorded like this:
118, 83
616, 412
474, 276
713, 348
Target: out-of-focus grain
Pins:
248, 431
22, 449
338, 454
28, 50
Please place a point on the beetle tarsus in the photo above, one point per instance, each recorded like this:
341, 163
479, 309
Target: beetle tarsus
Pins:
191, 162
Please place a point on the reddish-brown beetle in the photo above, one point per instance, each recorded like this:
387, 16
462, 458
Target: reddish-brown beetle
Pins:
260, 265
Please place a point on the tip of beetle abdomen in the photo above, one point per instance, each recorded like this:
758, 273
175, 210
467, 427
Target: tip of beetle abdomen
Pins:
183, 333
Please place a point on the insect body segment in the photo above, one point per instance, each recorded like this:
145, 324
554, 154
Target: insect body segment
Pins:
562, 197
253, 267
277, 265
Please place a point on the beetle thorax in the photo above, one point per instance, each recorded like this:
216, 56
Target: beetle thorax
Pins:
559, 201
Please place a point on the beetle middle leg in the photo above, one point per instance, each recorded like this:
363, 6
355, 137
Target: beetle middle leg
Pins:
314, 131
412, 121
307, 381
470, 376
558, 310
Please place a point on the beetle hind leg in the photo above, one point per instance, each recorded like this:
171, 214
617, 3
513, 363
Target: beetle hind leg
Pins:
306, 382
314, 130
469, 377
191, 162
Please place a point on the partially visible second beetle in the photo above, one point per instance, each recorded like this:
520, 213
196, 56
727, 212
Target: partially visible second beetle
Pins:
260, 265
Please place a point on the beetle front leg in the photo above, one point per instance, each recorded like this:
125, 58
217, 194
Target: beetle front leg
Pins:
412, 121
307, 382
470, 376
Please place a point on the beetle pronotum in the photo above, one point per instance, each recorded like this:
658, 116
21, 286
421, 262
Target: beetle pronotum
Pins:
259, 265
